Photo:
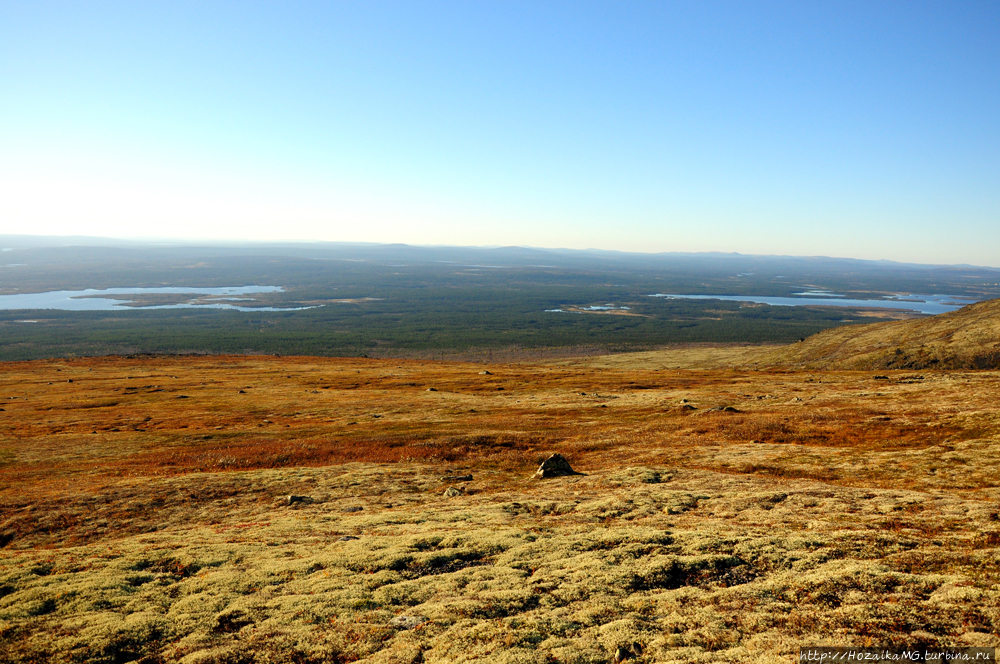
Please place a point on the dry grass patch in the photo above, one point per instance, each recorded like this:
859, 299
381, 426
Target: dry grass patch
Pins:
819, 508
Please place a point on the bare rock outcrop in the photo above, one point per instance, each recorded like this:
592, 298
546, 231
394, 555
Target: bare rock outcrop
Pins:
555, 466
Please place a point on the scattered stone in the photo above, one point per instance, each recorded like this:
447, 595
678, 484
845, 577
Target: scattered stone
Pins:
241, 392
183, 396
452, 491
880, 378
500, 389
623, 653
355, 508
70, 380
293, 499
555, 466
346, 538
724, 409
432, 389
403, 621
688, 406
485, 373
457, 478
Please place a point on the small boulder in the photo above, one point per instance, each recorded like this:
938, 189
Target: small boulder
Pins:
457, 478
452, 492
432, 389
485, 373
403, 621
555, 466
293, 499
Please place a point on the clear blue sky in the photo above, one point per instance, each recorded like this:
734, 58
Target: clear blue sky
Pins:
863, 129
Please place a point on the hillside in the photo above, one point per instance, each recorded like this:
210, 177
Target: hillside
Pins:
965, 339
221, 510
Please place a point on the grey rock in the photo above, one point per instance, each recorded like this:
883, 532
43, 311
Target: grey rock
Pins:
404, 621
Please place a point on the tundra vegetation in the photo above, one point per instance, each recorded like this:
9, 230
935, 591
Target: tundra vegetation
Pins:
235, 509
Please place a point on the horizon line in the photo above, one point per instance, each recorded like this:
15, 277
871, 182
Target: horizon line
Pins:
209, 242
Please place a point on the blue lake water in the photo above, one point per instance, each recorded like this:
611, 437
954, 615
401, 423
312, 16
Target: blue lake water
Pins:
925, 304
92, 300
596, 307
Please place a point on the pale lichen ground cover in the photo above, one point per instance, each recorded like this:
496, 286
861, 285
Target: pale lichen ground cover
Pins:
726, 516
661, 563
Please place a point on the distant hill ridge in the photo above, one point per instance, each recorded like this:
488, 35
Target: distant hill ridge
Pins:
968, 338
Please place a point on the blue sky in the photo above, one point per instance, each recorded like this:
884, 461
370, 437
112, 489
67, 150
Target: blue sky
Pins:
865, 129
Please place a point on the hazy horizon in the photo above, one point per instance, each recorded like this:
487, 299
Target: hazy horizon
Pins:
94, 240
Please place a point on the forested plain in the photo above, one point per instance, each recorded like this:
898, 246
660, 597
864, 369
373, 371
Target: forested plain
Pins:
396, 300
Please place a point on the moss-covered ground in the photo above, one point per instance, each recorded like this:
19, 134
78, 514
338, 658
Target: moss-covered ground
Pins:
724, 516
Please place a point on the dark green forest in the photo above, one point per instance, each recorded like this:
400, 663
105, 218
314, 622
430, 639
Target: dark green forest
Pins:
394, 300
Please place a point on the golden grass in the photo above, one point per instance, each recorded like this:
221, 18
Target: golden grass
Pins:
963, 339
822, 508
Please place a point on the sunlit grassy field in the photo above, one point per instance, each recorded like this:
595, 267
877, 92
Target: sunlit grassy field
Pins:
724, 515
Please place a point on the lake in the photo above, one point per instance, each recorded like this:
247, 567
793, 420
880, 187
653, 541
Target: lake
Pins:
90, 299
925, 304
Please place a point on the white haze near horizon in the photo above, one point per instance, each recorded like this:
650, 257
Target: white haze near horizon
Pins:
218, 207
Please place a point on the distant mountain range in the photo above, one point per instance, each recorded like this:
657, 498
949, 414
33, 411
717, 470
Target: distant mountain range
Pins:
507, 255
